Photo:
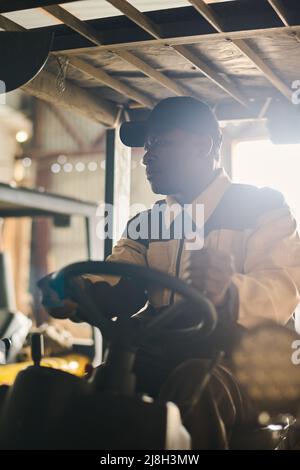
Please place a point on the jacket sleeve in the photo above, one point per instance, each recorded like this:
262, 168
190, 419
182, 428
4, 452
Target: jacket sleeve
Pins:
119, 296
269, 285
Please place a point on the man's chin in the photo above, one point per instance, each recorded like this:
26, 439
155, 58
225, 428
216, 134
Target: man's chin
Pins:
159, 188
156, 188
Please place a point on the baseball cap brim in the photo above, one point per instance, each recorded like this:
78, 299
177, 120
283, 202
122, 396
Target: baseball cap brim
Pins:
133, 133
183, 112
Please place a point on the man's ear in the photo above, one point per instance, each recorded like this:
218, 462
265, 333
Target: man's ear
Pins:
206, 145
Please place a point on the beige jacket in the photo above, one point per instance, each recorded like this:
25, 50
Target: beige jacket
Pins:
255, 226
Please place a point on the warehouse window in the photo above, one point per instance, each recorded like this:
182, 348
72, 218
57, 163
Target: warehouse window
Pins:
262, 163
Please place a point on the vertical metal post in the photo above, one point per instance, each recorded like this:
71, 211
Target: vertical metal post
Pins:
109, 180
117, 185
94, 249
117, 190
88, 237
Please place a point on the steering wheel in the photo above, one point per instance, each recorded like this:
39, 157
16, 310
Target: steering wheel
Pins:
113, 329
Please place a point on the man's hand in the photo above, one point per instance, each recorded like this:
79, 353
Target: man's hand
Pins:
210, 271
56, 307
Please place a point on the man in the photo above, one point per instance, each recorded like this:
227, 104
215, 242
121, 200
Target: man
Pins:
249, 266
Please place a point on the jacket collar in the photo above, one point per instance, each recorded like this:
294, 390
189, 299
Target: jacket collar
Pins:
209, 199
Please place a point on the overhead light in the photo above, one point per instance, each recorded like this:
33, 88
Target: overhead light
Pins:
92, 166
22, 136
26, 162
55, 168
68, 167
80, 166
62, 159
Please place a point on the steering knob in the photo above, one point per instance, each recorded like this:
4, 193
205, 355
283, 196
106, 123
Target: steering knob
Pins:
37, 348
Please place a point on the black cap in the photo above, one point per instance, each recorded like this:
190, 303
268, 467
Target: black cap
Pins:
182, 112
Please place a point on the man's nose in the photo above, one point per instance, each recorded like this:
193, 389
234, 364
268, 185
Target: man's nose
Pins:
148, 157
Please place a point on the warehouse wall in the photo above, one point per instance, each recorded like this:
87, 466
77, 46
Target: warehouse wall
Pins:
15, 233
79, 177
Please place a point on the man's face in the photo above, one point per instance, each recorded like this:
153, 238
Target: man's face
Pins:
173, 159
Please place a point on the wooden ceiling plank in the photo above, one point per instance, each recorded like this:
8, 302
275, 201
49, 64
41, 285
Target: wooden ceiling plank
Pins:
141, 20
82, 28
203, 9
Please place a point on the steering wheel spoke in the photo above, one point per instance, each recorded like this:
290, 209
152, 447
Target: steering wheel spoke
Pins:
159, 324
89, 311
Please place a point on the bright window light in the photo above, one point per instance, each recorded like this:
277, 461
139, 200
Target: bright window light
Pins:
262, 163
